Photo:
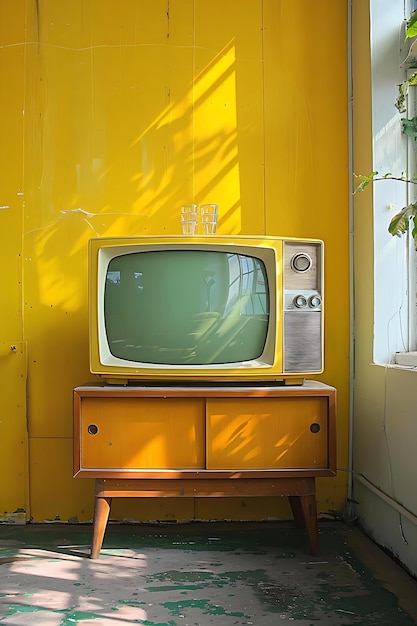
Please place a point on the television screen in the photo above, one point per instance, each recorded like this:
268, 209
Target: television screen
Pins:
186, 307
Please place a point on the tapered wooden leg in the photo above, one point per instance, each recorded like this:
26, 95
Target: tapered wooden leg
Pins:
101, 516
297, 510
305, 514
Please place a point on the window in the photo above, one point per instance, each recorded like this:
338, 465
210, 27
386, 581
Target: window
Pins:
394, 258
408, 355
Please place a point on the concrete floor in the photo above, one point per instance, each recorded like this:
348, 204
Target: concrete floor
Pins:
199, 575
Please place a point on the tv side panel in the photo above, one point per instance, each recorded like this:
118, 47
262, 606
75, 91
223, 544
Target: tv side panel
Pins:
303, 307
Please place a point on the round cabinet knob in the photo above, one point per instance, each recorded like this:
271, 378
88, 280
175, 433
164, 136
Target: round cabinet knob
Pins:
301, 262
314, 301
300, 301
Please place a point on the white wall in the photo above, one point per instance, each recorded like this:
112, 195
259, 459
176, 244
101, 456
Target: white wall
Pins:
385, 397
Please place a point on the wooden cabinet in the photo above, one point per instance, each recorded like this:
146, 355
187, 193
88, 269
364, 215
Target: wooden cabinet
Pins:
205, 441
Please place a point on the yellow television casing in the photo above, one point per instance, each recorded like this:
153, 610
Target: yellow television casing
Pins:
294, 344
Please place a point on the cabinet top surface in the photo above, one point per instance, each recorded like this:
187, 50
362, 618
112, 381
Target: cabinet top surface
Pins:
309, 387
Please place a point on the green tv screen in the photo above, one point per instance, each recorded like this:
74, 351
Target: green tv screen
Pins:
186, 307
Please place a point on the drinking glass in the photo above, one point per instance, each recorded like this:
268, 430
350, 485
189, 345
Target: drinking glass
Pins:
189, 217
209, 223
209, 218
189, 208
209, 209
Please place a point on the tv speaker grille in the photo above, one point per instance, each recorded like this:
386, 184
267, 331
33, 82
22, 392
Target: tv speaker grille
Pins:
302, 341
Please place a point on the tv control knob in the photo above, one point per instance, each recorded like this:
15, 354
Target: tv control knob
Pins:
301, 262
314, 301
300, 301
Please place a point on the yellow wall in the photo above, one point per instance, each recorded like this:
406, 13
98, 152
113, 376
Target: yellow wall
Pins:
116, 114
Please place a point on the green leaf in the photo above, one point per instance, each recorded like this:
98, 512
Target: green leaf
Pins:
364, 181
411, 26
403, 91
409, 127
400, 223
400, 102
414, 231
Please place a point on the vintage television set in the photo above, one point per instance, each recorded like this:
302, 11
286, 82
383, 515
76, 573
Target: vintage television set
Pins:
218, 308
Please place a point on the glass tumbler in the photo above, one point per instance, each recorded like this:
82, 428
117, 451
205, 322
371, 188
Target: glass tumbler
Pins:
209, 218
189, 218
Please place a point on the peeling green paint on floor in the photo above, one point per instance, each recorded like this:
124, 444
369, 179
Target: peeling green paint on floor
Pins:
204, 605
193, 575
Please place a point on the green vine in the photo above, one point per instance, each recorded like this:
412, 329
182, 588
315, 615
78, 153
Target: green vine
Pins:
400, 223
403, 88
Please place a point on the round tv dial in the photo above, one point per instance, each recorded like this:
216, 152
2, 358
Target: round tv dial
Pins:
314, 301
300, 301
301, 262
